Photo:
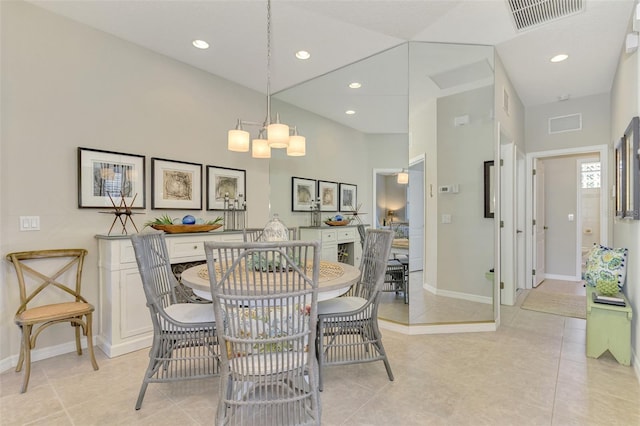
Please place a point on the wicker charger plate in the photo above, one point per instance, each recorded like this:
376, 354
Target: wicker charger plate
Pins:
181, 229
337, 222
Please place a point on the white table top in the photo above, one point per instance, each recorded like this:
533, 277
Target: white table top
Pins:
327, 288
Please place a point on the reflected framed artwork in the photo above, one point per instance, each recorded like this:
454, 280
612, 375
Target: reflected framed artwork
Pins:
106, 178
303, 194
225, 183
489, 196
328, 196
631, 170
620, 178
348, 197
176, 185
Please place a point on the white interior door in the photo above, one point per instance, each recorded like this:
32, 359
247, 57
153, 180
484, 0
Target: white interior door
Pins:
539, 228
520, 219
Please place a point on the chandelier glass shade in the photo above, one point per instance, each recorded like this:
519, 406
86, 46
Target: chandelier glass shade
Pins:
278, 134
260, 149
403, 177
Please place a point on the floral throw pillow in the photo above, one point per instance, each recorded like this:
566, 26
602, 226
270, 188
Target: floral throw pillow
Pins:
605, 263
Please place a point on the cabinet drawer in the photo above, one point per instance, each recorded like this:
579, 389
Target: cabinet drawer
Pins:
346, 234
127, 255
329, 236
183, 249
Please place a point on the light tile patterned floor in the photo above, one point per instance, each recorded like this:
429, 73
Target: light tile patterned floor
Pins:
532, 371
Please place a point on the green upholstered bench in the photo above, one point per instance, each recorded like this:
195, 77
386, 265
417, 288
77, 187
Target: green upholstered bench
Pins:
608, 328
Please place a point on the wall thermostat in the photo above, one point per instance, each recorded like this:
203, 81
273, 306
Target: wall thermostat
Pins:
448, 189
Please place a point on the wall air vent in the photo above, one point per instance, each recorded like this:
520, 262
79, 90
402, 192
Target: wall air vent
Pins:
527, 14
565, 123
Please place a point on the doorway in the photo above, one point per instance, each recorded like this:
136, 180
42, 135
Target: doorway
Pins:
559, 220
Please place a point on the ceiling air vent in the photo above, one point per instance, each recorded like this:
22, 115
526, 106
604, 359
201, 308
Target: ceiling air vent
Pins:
531, 13
565, 123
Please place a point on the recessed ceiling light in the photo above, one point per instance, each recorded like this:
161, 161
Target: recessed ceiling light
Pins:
200, 44
303, 54
349, 112
355, 85
559, 58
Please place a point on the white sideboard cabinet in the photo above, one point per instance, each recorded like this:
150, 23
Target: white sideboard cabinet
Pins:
125, 323
339, 243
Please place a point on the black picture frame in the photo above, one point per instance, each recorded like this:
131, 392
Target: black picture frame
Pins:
303, 194
489, 199
175, 185
225, 180
630, 146
328, 196
103, 176
348, 197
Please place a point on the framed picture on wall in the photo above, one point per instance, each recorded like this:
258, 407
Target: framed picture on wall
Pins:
328, 196
226, 183
107, 178
303, 193
176, 185
348, 197
632, 170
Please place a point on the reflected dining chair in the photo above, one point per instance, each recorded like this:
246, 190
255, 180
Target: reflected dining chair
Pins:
185, 345
265, 294
40, 274
348, 330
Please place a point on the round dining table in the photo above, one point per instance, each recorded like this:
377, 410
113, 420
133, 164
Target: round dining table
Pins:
335, 279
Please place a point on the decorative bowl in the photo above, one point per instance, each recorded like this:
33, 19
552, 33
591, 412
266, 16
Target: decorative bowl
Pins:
336, 222
181, 229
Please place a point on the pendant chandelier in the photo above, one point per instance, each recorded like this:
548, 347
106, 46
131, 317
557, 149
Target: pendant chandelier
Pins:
272, 133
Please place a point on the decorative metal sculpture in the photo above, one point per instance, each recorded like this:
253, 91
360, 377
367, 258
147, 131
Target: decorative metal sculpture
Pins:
122, 209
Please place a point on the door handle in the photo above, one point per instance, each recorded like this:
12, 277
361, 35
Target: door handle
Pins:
518, 231
545, 227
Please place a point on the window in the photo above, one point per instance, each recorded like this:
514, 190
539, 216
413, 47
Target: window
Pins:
590, 175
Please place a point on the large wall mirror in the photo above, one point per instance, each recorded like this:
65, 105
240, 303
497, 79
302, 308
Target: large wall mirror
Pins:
425, 109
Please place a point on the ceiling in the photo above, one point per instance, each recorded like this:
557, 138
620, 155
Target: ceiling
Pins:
338, 33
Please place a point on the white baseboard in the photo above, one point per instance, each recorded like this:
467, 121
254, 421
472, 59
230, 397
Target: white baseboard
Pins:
44, 353
457, 295
562, 277
124, 348
415, 329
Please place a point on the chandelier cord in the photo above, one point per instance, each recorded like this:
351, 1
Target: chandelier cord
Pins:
267, 120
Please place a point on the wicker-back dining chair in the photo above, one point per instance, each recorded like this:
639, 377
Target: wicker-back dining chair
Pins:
348, 330
43, 272
185, 345
266, 295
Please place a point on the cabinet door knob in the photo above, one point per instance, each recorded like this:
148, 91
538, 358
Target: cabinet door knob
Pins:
195, 247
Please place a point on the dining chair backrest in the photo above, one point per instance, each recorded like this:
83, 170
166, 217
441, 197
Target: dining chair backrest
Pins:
376, 251
265, 293
154, 265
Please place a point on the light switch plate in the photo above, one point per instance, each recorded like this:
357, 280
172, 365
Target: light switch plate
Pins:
29, 223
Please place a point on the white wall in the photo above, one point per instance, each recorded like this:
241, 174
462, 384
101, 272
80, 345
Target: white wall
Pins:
595, 111
625, 104
65, 85
463, 150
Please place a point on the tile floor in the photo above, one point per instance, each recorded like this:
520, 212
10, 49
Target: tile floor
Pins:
532, 371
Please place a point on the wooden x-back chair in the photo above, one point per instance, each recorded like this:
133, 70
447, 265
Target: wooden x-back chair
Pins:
32, 269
